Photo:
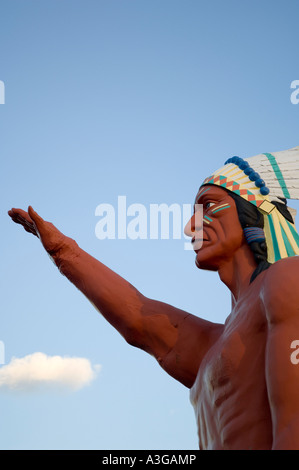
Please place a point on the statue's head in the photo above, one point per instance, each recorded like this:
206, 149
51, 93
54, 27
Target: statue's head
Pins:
218, 235
245, 202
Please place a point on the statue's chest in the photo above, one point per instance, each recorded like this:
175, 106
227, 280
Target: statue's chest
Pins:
237, 352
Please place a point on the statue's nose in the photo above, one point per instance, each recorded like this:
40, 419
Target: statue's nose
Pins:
194, 224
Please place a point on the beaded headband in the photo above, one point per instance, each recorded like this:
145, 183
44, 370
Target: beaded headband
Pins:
262, 180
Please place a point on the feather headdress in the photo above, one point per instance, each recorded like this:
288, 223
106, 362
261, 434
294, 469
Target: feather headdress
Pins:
263, 180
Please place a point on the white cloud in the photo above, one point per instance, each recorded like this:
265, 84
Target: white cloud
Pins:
39, 370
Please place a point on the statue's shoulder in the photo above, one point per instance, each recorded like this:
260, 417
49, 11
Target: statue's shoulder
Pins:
283, 271
280, 289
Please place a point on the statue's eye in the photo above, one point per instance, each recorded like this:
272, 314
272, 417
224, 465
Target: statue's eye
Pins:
209, 205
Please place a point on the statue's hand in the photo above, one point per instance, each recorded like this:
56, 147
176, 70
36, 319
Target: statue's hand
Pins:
51, 238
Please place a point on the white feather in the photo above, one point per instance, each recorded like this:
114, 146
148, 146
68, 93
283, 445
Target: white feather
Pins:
287, 175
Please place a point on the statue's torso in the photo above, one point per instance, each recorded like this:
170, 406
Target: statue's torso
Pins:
229, 394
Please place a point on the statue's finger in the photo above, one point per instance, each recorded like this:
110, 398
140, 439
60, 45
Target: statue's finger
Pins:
16, 217
19, 214
37, 219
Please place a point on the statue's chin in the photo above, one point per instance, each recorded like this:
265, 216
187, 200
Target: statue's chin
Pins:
205, 264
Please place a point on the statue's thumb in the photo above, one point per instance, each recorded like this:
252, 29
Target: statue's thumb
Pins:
35, 217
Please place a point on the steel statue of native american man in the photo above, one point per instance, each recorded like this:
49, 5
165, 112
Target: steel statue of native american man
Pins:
243, 385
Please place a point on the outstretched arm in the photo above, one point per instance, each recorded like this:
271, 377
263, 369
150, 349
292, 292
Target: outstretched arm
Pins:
175, 338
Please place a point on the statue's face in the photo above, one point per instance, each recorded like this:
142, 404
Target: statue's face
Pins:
218, 235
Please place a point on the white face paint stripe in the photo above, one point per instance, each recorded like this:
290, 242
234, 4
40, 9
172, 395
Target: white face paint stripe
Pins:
202, 191
207, 219
220, 208
214, 208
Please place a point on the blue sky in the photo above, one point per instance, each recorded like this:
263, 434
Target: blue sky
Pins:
137, 98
